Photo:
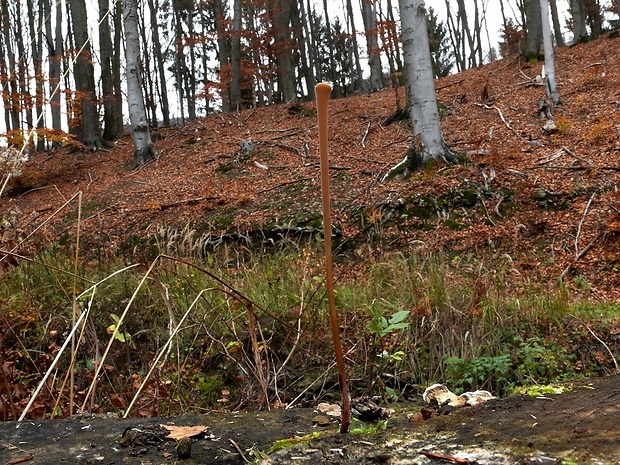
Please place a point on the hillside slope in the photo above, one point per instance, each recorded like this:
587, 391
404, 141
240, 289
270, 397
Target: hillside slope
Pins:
544, 205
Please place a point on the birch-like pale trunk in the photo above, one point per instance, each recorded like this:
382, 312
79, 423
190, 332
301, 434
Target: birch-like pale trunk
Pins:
143, 147
552, 88
428, 143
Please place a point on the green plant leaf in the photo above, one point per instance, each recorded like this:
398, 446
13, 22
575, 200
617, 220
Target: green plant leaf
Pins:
398, 317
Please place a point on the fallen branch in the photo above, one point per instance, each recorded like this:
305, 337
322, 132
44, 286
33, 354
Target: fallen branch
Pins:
365, 135
279, 144
444, 457
501, 115
285, 184
395, 170
550, 158
184, 202
236, 446
604, 345
583, 217
22, 459
588, 162
580, 255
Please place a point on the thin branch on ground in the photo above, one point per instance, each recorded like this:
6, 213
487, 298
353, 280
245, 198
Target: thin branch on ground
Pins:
583, 217
581, 254
501, 115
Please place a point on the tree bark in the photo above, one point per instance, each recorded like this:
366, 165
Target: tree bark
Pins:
223, 53
88, 130
235, 57
552, 89
283, 48
106, 54
369, 16
358, 83
557, 29
533, 37
578, 16
55, 51
10, 73
159, 60
428, 144
37, 56
143, 147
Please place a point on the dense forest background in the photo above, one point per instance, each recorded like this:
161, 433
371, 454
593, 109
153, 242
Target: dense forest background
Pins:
62, 62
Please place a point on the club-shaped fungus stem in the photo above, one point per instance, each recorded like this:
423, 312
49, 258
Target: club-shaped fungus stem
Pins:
322, 91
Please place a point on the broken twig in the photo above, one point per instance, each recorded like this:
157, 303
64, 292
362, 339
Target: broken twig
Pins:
444, 457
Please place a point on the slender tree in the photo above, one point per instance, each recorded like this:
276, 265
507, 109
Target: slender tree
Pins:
369, 16
533, 34
578, 20
143, 146
358, 84
88, 131
235, 57
428, 143
11, 94
557, 29
280, 12
111, 129
160, 64
552, 89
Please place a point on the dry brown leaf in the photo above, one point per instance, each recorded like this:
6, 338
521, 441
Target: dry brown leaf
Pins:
183, 432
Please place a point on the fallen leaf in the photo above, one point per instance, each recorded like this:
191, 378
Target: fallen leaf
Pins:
183, 432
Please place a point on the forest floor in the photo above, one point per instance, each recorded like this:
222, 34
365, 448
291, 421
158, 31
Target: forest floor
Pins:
546, 205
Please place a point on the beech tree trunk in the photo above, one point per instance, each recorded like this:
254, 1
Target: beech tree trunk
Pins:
88, 130
106, 54
10, 74
557, 29
284, 50
578, 16
552, 89
235, 57
533, 37
143, 147
159, 60
37, 55
428, 143
358, 84
369, 15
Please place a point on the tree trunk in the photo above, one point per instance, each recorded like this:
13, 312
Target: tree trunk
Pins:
223, 53
25, 101
55, 51
10, 73
235, 57
37, 57
578, 15
358, 83
456, 39
106, 54
594, 17
179, 59
281, 17
143, 147
88, 132
557, 29
159, 59
369, 16
331, 69
533, 37
299, 32
428, 143
552, 89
